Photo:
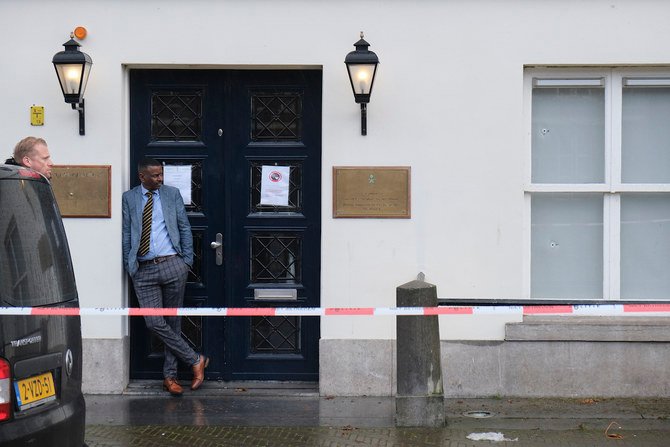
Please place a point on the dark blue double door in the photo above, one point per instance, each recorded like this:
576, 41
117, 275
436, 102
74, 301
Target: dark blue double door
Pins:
215, 131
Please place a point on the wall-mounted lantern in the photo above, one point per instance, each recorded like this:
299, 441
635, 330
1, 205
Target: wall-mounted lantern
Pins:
72, 68
362, 67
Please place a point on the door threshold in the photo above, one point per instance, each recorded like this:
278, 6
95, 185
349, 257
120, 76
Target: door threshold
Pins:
234, 388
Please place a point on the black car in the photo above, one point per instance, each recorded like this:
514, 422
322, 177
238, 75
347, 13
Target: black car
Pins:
41, 403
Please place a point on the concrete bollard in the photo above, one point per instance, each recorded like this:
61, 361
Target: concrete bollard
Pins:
419, 398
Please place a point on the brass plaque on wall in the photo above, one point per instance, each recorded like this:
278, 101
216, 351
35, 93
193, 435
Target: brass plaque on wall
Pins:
375, 191
82, 191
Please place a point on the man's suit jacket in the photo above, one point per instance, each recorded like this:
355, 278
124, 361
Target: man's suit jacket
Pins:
176, 222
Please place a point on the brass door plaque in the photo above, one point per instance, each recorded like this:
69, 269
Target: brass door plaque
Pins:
82, 191
374, 192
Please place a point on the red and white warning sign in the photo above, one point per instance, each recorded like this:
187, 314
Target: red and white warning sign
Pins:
275, 185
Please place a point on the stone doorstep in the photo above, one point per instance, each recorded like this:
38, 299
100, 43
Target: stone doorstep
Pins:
221, 388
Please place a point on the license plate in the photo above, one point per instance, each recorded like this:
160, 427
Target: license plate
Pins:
35, 390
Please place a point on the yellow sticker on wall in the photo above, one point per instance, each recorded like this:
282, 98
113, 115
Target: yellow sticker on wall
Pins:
37, 115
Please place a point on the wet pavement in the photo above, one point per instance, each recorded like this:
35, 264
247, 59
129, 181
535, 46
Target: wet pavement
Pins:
262, 414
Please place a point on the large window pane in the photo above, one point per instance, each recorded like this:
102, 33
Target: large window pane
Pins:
35, 267
645, 151
568, 135
645, 246
567, 246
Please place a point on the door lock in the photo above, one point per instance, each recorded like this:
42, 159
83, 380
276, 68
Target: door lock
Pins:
217, 246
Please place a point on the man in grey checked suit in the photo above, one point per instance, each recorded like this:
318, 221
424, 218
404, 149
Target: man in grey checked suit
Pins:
158, 263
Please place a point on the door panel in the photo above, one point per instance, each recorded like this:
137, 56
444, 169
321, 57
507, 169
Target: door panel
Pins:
226, 125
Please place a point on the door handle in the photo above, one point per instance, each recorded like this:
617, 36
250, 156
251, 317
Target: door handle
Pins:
217, 246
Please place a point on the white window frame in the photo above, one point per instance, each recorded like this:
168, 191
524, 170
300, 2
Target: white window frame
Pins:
612, 188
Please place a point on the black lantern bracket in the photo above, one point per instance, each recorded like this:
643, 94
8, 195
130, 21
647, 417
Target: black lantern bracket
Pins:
79, 107
362, 68
73, 68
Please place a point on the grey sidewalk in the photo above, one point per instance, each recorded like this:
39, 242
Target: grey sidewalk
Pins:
262, 415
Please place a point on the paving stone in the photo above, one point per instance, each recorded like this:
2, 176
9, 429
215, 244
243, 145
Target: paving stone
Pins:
178, 436
310, 421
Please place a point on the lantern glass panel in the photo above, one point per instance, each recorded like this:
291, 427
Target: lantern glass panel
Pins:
361, 76
73, 78
69, 76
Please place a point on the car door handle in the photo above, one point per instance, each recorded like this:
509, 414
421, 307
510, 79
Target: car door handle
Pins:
217, 245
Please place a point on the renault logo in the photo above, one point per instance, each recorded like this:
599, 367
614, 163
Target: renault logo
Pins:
69, 362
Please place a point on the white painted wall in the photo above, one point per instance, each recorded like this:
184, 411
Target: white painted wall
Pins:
448, 102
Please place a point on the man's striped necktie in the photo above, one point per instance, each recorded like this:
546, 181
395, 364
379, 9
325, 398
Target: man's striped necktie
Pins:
146, 224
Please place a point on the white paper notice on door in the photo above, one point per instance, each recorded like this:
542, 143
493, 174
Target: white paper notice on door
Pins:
179, 176
274, 185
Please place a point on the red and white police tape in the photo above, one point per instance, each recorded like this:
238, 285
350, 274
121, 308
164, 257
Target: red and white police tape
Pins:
586, 309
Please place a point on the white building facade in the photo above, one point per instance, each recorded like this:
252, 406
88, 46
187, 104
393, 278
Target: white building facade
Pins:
540, 169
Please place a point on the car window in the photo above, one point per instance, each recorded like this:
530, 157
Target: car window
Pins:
35, 267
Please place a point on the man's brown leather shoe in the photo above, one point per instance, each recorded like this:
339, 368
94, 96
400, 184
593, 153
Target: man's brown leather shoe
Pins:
199, 372
171, 385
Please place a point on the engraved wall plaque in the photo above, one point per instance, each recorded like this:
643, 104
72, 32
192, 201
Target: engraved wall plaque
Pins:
82, 191
371, 192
